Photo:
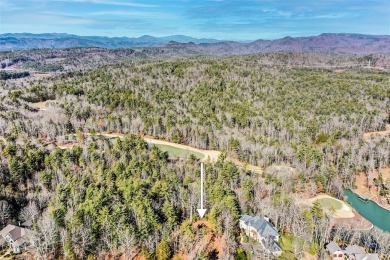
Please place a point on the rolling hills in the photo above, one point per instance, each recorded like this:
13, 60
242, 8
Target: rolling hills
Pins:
326, 43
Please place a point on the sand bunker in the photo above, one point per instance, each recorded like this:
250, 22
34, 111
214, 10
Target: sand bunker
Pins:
344, 212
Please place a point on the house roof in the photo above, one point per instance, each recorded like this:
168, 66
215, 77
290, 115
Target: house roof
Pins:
2, 241
245, 218
263, 227
372, 257
5, 231
360, 257
366, 257
353, 249
271, 245
275, 247
27, 223
332, 247
20, 241
14, 232
17, 233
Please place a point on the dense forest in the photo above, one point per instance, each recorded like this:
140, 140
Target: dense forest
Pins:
78, 58
125, 197
13, 75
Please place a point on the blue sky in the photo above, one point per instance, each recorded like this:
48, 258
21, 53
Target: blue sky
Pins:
220, 19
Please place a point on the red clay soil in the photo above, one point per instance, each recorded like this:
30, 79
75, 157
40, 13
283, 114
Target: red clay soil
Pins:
358, 222
305, 193
215, 242
377, 68
180, 256
67, 146
367, 136
201, 223
138, 257
308, 256
42, 105
367, 188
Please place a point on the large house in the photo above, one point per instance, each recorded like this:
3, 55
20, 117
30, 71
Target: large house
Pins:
351, 252
16, 237
261, 230
335, 251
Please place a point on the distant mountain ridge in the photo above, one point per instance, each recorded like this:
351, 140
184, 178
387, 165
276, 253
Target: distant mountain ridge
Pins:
17, 41
329, 43
326, 43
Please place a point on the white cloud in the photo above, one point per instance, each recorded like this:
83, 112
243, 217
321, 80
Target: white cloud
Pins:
332, 15
6, 5
108, 2
131, 13
277, 12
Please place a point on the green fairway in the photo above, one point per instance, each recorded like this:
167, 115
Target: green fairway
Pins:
329, 203
175, 152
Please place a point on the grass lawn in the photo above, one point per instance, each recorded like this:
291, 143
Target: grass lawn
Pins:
328, 203
287, 243
177, 152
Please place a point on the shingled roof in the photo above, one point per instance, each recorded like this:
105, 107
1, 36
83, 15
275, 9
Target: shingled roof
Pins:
333, 247
5, 231
263, 227
271, 245
353, 249
14, 232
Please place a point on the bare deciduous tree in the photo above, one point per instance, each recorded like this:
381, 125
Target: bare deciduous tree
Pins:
81, 238
44, 237
4, 211
127, 242
30, 212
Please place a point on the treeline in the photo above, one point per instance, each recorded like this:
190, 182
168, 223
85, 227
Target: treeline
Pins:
13, 75
67, 59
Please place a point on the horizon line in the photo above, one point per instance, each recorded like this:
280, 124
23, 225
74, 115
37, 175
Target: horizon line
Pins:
198, 38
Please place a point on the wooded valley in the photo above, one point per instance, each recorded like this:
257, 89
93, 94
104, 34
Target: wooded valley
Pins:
126, 198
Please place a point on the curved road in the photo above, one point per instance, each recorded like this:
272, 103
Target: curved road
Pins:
209, 155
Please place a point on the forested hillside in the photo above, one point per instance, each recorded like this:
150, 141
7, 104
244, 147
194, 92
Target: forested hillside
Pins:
73, 59
62, 60
113, 197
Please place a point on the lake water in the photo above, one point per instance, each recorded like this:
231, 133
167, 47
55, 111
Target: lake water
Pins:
377, 215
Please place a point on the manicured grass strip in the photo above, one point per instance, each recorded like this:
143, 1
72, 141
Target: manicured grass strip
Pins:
328, 203
177, 152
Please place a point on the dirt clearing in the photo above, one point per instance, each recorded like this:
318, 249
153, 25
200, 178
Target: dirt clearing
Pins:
42, 105
214, 243
365, 186
367, 136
